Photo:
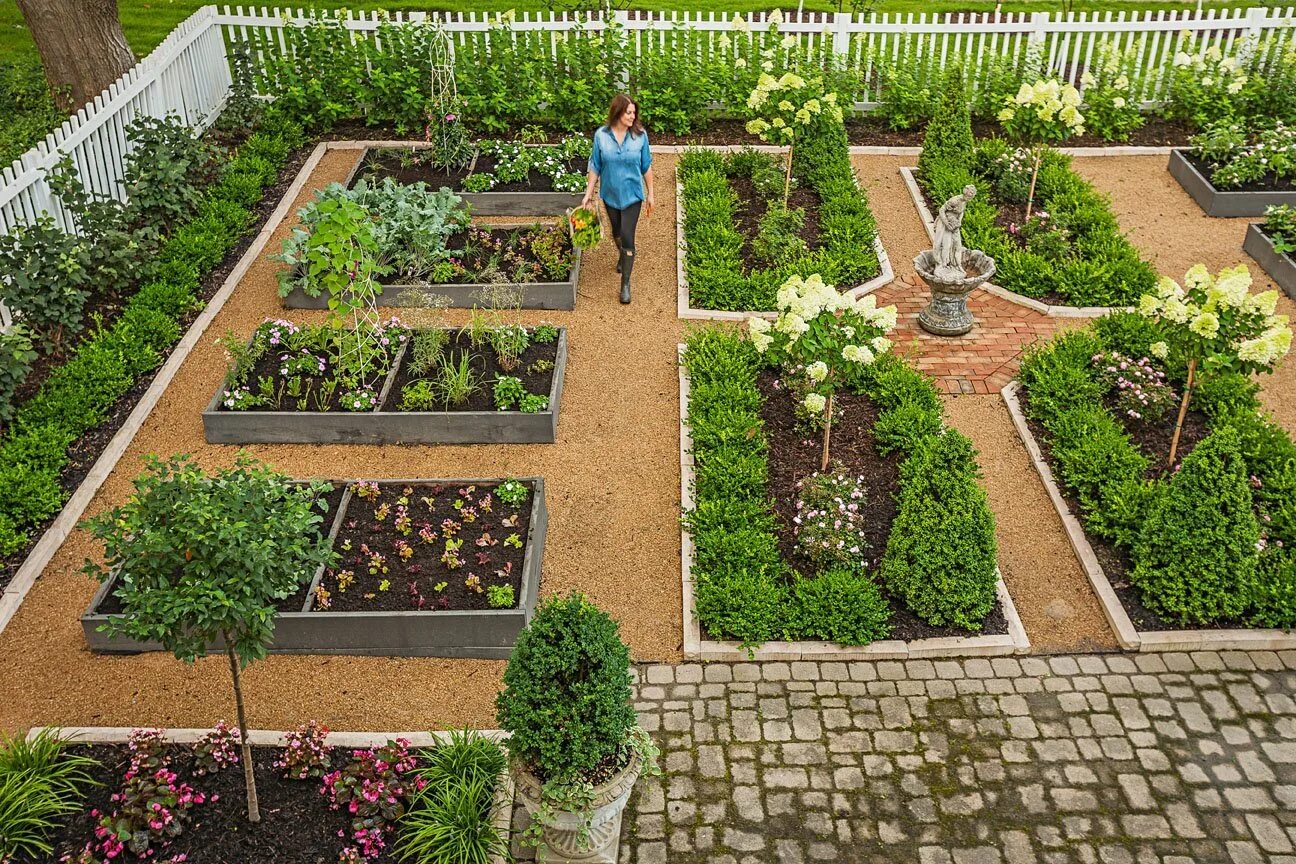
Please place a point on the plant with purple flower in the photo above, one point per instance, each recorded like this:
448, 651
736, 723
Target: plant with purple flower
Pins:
1139, 388
829, 521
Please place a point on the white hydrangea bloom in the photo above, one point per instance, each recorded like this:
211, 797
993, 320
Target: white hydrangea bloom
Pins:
814, 403
817, 371
1160, 350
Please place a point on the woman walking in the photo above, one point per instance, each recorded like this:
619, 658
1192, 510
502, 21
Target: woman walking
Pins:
620, 158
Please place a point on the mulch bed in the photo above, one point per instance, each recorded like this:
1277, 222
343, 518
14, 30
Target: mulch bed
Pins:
411, 581
752, 207
378, 163
486, 367
83, 452
794, 455
1270, 183
296, 827
1153, 440
295, 602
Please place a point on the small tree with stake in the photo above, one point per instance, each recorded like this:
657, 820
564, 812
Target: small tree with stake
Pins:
1043, 112
201, 560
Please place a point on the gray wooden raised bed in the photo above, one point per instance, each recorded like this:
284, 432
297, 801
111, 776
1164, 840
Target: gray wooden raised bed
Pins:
1280, 266
496, 203
1219, 203
480, 633
534, 295
388, 426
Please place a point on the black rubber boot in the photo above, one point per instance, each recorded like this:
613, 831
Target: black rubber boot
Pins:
626, 267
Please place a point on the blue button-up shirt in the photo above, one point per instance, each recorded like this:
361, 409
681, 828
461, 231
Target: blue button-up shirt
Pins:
620, 166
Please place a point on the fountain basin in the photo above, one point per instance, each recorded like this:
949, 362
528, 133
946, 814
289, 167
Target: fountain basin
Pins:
947, 313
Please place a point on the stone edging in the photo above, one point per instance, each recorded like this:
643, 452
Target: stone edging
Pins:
929, 223
1130, 638
689, 313
1014, 641
62, 526
501, 809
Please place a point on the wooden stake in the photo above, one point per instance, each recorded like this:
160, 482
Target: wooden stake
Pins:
828, 411
787, 179
1030, 196
1183, 410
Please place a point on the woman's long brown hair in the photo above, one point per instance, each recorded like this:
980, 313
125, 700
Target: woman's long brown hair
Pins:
620, 103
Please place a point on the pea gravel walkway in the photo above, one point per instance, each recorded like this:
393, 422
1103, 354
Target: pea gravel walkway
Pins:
1174, 758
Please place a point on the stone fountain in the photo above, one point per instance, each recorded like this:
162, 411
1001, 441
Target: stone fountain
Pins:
951, 272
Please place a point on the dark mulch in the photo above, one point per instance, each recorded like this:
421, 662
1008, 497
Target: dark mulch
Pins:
296, 827
294, 602
794, 455
1153, 439
486, 369
83, 452
412, 581
752, 208
378, 163
1269, 183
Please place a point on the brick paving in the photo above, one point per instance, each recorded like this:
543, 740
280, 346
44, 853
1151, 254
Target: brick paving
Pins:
986, 358
1174, 758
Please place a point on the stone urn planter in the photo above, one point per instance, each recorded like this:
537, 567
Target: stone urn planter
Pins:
561, 838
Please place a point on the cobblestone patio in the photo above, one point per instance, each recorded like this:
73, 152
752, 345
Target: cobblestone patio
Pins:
1175, 758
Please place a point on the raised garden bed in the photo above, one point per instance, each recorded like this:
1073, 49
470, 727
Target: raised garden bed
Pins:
455, 621
1037, 264
298, 825
531, 195
737, 244
1095, 513
1280, 266
475, 421
1193, 174
458, 294
727, 566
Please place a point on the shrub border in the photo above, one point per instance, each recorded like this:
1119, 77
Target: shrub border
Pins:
57, 532
501, 809
1129, 637
929, 223
688, 312
1014, 641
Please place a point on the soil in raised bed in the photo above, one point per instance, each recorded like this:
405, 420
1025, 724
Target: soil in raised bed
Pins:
794, 455
486, 367
479, 264
297, 826
752, 207
1268, 183
1153, 440
85, 451
268, 366
415, 578
380, 163
295, 602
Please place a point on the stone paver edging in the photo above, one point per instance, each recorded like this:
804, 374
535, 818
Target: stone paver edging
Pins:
72, 511
501, 809
929, 223
689, 313
697, 648
1126, 634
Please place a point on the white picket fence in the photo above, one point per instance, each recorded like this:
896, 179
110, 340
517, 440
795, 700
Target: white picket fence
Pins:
189, 75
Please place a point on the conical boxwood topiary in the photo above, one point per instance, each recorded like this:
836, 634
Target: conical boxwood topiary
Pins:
949, 133
1195, 561
566, 698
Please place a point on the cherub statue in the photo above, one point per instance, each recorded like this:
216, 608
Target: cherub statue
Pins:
948, 251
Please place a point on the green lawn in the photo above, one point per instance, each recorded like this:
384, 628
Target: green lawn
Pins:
147, 23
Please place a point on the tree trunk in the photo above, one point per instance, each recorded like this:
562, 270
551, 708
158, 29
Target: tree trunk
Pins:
81, 46
828, 412
1035, 166
249, 779
787, 179
1183, 411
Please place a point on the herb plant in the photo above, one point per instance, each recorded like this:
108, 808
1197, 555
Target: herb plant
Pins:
1280, 227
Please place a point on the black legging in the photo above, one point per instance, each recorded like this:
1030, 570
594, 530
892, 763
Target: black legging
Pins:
624, 222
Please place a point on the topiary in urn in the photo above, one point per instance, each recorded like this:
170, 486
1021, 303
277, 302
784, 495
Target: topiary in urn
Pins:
575, 746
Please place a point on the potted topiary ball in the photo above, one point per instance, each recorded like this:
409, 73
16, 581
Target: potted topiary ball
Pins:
575, 747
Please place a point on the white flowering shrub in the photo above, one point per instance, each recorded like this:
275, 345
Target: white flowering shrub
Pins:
1040, 113
825, 333
785, 109
1111, 110
1236, 158
1205, 85
1215, 324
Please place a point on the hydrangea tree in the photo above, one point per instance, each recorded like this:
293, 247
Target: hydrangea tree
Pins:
1215, 324
1038, 114
823, 333
785, 109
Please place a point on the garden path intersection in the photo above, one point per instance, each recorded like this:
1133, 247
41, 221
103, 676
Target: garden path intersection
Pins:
1172, 758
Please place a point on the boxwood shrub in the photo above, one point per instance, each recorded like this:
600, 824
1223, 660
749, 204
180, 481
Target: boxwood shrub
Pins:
80, 394
745, 591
